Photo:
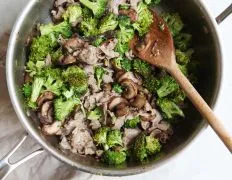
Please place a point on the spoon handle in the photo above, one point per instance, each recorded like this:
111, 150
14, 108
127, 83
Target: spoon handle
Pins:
202, 106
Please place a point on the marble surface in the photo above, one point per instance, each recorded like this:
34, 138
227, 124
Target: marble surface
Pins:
206, 158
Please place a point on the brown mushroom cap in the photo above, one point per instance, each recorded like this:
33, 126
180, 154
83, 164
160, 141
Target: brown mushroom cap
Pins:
46, 96
115, 101
121, 110
73, 43
131, 89
107, 87
46, 113
139, 101
65, 60
129, 75
147, 116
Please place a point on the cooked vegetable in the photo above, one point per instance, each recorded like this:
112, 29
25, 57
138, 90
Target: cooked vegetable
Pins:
63, 28
169, 108
73, 13
149, 2
89, 27
63, 108
132, 123
114, 138
174, 22
141, 67
56, 55
126, 64
117, 88
27, 90
114, 157
108, 23
145, 19
100, 137
98, 6
145, 146
99, 41
151, 84
95, 114
99, 73
183, 41
184, 57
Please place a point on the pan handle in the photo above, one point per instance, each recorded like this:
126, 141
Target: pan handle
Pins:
224, 14
6, 167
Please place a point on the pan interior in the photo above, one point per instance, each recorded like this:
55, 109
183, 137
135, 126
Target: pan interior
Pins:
207, 52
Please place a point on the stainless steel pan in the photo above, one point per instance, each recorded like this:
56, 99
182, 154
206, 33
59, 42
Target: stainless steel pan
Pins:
208, 50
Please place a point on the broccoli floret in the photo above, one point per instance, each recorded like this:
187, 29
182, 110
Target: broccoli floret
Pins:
56, 55
99, 73
183, 69
108, 23
151, 84
145, 19
27, 90
150, 2
174, 22
98, 7
152, 145
178, 96
89, 27
95, 114
169, 108
40, 48
123, 63
73, 13
63, 28
145, 146
132, 123
33, 67
184, 57
117, 88
100, 137
63, 108
124, 6
114, 138
167, 86
124, 35
98, 41
142, 68
76, 78
36, 90
183, 41
114, 157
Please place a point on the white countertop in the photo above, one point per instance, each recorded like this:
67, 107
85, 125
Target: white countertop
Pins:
205, 158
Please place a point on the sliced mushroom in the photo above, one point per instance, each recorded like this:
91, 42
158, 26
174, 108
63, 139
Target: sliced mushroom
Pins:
73, 44
46, 96
53, 129
131, 89
46, 113
121, 110
115, 101
131, 76
65, 60
139, 101
145, 124
146, 116
107, 87
119, 71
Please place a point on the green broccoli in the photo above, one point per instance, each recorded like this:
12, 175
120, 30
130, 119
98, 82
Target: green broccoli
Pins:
34, 67
142, 67
178, 96
89, 27
145, 146
183, 41
63, 108
124, 35
184, 57
114, 138
167, 86
117, 88
113, 157
27, 90
97, 42
36, 90
56, 55
149, 2
40, 48
169, 108
145, 19
108, 23
151, 84
95, 114
183, 69
63, 28
98, 7
126, 64
77, 78
152, 145
174, 22
132, 123
73, 13
99, 73
124, 6
100, 137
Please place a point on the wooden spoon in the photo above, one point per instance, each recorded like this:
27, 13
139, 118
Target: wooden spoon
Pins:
157, 48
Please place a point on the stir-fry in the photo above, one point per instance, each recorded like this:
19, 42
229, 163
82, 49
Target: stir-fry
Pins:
89, 90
